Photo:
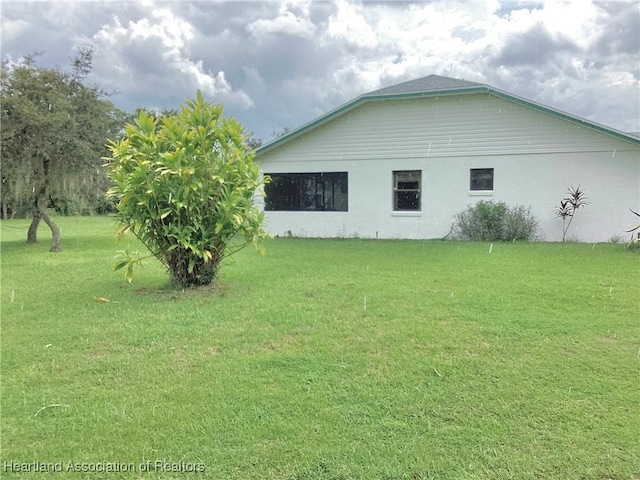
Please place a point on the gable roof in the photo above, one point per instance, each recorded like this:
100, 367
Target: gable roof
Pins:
431, 83
434, 85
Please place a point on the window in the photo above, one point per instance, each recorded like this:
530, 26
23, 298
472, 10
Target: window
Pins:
481, 179
406, 190
307, 192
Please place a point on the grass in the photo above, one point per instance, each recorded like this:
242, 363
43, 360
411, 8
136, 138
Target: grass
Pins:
325, 359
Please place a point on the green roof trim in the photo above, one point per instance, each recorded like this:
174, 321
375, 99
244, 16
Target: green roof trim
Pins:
445, 86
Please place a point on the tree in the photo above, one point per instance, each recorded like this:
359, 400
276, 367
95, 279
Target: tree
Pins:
280, 133
185, 187
54, 131
253, 143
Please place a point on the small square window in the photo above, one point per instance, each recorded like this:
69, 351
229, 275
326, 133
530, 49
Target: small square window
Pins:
406, 190
481, 179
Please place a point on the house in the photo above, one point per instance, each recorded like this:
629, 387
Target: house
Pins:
401, 161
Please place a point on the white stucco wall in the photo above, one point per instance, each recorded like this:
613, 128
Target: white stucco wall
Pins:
535, 158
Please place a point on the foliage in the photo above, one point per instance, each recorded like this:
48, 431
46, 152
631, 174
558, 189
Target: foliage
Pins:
495, 221
635, 235
568, 207
281, 132
520, 224
253, 143
54, 131
184, 185
128, 260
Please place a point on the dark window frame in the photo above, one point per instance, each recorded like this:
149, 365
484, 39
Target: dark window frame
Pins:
407, 190
481, 179
307, 192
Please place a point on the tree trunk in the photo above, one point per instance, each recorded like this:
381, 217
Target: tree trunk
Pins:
5, 211
32, 233
42, 202
55, 231
40, 213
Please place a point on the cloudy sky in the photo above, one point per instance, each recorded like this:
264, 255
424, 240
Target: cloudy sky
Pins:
276, 64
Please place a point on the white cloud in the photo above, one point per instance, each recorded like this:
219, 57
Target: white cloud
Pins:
173, 32
287, 22
293, 60
163, 39
350, 26
13, 29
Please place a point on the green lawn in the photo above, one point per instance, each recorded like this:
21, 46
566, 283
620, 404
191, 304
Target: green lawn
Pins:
325, 359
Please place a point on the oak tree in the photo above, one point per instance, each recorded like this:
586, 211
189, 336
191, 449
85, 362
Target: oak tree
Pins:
54, 131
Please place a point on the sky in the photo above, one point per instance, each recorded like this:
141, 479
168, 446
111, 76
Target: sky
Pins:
279, 64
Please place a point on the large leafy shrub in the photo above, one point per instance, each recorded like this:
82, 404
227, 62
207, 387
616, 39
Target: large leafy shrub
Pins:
495, 221
184, 185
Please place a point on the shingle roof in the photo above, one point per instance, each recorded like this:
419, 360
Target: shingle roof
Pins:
425, 84
434, 85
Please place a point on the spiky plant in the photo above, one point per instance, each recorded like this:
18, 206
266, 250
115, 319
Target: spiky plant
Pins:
635, 238
575, 200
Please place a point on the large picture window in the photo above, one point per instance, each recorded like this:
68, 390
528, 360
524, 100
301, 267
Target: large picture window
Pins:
327, 191
406, 190
481, 179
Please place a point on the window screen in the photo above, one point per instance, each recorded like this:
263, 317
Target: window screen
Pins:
406, 190
481, 179
327, 191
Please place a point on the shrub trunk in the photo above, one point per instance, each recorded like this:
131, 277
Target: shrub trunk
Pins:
189, 271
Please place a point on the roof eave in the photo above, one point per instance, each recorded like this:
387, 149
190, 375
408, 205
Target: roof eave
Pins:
296, 132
